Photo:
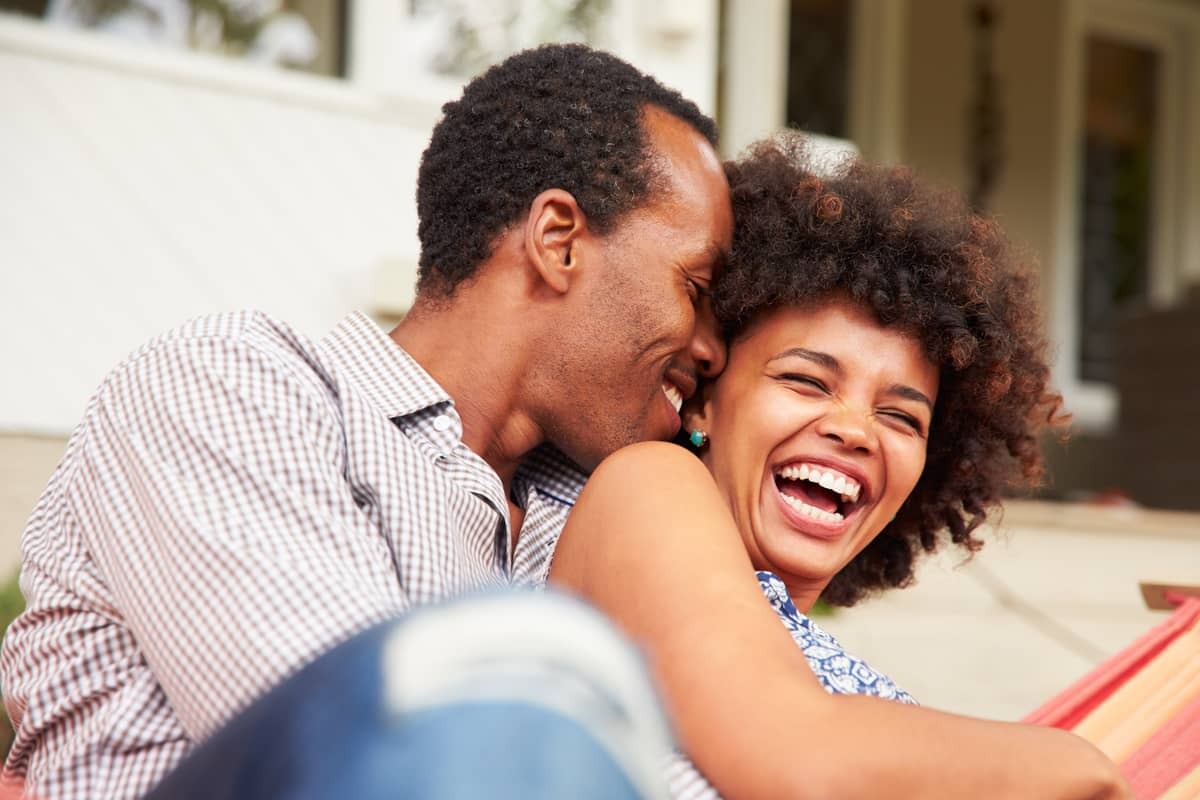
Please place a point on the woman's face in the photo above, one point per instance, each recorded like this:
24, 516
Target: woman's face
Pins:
817, 428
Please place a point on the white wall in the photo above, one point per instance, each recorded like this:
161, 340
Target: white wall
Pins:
141, 187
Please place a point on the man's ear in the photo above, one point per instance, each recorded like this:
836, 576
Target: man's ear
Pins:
552, 233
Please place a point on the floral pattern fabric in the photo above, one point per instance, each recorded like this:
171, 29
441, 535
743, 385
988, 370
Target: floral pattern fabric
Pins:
838, 671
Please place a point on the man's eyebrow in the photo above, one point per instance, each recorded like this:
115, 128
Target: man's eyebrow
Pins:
716, 257
833, 365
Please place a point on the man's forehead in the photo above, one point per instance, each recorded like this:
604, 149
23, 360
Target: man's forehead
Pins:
691, 191
676, 143
689, 171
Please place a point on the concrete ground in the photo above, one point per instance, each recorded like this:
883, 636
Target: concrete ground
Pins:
1052, 594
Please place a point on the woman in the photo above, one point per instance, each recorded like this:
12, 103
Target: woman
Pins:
885, 382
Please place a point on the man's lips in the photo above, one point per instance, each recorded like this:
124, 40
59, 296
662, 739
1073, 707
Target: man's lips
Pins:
678, 384
674, 400
674, 396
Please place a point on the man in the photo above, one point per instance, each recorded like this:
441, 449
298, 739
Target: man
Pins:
238, 499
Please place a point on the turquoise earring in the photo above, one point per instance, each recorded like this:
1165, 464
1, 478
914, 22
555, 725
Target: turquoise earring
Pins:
698, 438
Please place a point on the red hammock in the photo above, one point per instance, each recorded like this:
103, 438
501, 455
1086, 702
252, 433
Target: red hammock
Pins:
1142, 707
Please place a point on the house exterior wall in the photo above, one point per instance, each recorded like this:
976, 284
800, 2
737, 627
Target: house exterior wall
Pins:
1157, 443
1029, 43
1035, 50
938, 91
145, 186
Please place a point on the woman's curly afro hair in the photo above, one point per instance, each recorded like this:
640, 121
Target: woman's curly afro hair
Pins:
919, 260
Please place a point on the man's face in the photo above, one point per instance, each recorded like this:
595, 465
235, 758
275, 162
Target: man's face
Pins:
646, 326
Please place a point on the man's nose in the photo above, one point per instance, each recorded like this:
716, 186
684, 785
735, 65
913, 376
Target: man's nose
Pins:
708, 345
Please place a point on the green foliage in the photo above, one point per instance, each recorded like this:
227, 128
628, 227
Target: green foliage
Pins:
236, 24
480, 40
821, 609
11, 604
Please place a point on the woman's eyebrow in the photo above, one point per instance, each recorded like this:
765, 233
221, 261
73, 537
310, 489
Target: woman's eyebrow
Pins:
833, 365
909, 393
816, 356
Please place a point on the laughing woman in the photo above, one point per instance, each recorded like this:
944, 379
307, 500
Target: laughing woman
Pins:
886, 380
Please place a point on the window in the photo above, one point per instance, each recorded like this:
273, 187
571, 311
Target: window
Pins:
308, 35
1129, 150
831, 67
1120, 131
463, 39
818, 72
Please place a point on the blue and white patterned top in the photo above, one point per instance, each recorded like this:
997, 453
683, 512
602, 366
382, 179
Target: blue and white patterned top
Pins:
838, 671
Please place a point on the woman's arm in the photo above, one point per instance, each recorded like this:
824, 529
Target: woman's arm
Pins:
651, 542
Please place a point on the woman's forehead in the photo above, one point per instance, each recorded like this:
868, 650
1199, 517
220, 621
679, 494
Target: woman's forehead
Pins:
840, 328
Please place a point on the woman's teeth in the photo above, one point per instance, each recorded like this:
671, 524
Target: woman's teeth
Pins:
832, 480
673, 394
811, 511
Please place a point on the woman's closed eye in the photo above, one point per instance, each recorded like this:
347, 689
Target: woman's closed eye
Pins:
806, 380
903, 418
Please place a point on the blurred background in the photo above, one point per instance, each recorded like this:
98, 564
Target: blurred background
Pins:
161, 159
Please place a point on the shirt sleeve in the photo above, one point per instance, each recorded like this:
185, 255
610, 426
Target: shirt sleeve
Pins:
212, 495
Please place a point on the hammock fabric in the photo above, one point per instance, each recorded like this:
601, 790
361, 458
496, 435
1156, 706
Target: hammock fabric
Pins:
1142, 708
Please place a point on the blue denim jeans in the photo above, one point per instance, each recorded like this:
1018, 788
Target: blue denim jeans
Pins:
505, 696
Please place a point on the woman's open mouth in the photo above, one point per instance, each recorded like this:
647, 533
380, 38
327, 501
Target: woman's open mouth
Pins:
819, 493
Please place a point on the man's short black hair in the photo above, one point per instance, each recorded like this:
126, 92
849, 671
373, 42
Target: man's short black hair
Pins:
558, 116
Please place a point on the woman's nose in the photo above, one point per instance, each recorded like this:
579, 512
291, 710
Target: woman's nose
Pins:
849, 427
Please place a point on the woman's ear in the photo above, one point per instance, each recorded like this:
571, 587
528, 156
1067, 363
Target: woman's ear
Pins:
697, 409
552, 233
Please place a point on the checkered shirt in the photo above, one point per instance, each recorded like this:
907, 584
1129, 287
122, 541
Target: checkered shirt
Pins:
236, 500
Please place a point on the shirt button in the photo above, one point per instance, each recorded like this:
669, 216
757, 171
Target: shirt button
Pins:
442, 423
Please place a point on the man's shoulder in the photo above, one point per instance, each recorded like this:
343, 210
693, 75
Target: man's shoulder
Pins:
248, 353
250, 328
554, 474
230, 337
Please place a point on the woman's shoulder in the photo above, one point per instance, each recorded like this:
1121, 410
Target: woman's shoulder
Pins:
650, 509
649, 467
651, 456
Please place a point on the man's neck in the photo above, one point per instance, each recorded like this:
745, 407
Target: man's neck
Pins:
478, 356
